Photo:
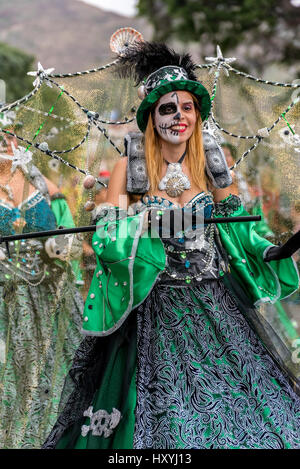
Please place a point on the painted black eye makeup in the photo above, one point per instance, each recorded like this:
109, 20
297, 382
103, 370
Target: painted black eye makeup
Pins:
167, 108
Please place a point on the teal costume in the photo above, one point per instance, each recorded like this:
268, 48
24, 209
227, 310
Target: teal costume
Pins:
176, 354
40, 318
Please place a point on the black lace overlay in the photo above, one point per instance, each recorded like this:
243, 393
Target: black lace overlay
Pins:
205, 379
85, 377
228, 207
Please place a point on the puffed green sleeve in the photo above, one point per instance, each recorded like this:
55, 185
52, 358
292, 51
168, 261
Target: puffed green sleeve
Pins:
128, 264
61, 210
263, 281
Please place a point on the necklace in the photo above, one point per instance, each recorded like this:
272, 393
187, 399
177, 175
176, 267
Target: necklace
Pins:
175, 181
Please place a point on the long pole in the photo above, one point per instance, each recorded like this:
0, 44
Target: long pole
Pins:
84, 229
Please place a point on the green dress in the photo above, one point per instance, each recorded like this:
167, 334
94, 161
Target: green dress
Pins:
40, 319
177, 354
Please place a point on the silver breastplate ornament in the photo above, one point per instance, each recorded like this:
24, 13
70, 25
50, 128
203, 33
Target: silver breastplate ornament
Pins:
175, 181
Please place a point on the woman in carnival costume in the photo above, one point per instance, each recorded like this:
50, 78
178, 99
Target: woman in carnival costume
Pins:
41, 307
177, 355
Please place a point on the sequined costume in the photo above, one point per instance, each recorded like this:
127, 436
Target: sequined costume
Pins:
176, 354
40, 317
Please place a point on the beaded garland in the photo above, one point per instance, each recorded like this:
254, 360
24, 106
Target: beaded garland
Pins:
219, 63
25, 262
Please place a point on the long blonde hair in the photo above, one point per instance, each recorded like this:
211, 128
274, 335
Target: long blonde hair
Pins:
195, 158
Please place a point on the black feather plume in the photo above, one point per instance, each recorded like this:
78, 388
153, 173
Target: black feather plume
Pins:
143, 58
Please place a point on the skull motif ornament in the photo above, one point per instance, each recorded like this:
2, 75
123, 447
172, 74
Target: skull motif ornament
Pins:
102, 423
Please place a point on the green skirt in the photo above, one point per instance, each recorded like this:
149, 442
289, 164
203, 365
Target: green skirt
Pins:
187, 371
39, 334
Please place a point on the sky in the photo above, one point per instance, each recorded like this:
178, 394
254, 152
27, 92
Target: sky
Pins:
127, 7
122, 7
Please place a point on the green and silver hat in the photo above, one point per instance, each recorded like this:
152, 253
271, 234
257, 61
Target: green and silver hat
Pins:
161, 82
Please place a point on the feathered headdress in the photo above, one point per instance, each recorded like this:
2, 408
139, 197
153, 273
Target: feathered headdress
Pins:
143, 58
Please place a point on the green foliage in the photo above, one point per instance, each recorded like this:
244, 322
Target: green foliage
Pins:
227, 23
190, 19
14, 65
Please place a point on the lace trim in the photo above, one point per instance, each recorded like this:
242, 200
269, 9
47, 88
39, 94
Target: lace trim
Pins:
230, 205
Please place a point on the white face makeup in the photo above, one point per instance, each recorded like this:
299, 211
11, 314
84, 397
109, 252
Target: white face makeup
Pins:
175, 117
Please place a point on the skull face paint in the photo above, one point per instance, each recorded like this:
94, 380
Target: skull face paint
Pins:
175, 117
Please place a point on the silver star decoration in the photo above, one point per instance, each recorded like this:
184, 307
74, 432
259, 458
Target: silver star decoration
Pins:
220, 60
41, 74
211, 127
21, 158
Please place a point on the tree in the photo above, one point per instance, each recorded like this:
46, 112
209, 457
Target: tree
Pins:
14, 65
268, 29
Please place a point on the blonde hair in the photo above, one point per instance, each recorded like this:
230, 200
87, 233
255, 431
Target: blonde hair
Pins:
195, 158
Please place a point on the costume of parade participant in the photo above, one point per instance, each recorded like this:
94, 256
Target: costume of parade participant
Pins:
176, 353
40, 308
278, 312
